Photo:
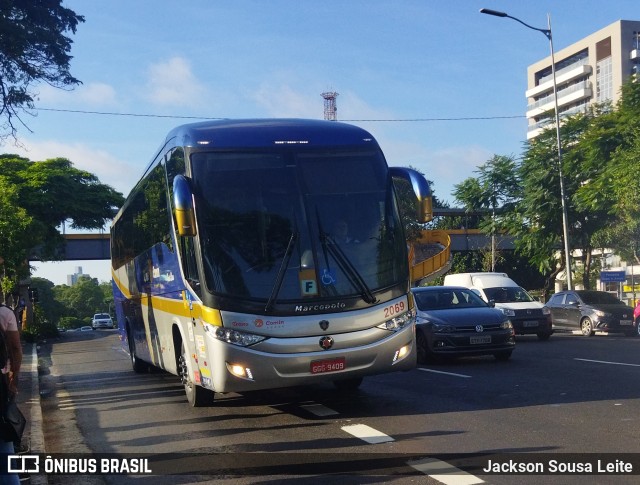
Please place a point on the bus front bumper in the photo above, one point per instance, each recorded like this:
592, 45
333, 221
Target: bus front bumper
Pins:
248, 369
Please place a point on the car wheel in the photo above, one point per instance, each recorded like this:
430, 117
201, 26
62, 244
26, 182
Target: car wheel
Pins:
421, 347
587, 327
543, 336
196, 395
503, 356
348, 384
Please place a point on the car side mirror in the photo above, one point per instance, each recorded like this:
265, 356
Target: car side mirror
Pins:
492, 303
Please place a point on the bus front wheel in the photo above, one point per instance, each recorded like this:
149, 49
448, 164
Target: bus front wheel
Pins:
196, 395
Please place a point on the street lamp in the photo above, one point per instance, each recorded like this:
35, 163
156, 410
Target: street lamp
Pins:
565, 218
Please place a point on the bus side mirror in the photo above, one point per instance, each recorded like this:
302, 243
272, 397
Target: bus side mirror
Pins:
183, 207
420, 189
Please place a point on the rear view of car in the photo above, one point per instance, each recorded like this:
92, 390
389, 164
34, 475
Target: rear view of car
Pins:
455, 322
102, 320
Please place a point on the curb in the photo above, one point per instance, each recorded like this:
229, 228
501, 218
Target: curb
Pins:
36, 434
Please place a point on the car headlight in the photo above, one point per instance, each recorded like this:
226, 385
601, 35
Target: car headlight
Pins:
508, 312
506, 324
600, 313
546, 311
398, 322
442, 328
232, 336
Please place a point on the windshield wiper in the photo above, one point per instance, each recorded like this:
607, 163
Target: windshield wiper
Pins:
346, 266
281, 272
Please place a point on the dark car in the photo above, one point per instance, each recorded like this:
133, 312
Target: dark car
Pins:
454, 322
591, 311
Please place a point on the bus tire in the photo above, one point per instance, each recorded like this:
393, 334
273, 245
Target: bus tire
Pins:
196, 395
139, 366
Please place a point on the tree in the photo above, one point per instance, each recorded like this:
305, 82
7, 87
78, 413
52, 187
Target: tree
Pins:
612, 145
38, 197
496, 190
33, 49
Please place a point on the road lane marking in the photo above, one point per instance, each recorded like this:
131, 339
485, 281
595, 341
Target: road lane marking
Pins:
367, 433
607, 362
319, 410
444, 472
446, 373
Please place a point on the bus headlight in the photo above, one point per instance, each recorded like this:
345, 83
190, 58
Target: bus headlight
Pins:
398, 322
232, 336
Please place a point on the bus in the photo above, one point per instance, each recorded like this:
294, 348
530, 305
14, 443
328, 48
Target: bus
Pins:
257, 254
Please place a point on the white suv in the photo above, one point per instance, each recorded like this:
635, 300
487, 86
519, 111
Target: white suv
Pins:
102, 320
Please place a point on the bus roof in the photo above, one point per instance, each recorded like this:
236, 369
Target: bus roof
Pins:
254, 133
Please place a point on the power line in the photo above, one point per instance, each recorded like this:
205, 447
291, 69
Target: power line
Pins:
399, 120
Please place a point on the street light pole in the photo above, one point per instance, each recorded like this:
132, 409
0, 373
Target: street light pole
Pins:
563, 199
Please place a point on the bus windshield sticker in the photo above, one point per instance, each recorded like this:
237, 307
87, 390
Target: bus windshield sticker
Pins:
328, 277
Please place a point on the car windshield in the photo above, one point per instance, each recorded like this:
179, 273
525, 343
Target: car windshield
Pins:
599, 297
447, 299
507, 294
101, 316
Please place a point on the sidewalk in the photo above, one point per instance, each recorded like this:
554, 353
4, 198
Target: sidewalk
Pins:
29, 403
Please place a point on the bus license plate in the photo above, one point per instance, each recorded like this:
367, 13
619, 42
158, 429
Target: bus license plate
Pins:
329, 365
481, 340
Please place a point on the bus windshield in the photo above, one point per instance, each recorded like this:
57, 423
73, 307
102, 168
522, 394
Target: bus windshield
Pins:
297, 225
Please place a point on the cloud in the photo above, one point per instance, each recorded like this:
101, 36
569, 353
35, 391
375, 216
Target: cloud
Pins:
172, 83
92, 94
282, 101
108, 169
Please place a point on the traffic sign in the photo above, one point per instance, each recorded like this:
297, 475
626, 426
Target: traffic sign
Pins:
612, 276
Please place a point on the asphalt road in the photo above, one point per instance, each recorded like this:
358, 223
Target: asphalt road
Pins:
572, 400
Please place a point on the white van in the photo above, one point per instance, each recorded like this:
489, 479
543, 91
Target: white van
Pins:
527, 315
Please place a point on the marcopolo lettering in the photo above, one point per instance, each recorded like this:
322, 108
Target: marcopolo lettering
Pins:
317, 308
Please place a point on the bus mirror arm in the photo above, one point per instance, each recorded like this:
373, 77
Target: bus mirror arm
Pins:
183, 207
421, 190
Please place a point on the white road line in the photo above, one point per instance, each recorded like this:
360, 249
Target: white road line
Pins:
367, 433
319, 410
441, 372
606, 362
444, 472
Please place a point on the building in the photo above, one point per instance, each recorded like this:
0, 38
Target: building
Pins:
590, 71
72, 279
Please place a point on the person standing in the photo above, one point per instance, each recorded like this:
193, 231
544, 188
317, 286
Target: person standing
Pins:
9, 327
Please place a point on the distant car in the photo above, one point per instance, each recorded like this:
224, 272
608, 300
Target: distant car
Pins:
102, 320
86, 328
454, 322
591, 311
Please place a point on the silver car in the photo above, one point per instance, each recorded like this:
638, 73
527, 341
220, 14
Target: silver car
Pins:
102, 320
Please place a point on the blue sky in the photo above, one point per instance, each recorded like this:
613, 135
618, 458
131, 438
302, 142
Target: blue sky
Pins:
168, 63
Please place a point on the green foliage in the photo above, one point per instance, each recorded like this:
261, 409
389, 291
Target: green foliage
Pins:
36, 198
40, 327
600, 167
69, 323
83, 299
33, 49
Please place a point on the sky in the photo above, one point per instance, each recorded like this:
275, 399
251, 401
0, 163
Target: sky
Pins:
439, 85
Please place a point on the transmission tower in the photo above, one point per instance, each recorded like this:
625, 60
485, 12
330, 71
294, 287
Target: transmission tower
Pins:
330, 108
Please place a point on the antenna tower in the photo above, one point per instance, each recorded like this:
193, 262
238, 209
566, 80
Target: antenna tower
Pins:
330, 108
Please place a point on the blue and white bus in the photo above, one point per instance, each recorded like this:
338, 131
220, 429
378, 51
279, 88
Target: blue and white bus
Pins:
256, 254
